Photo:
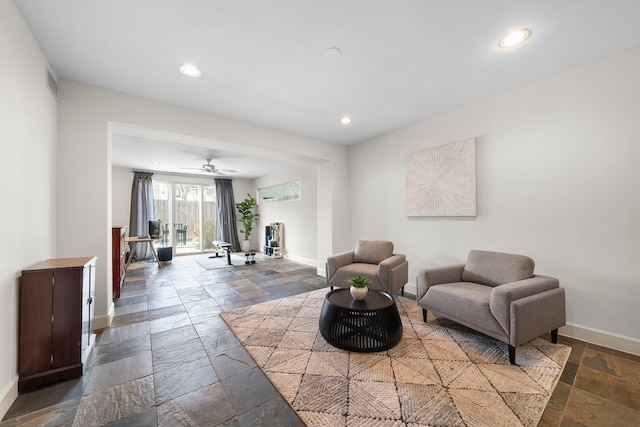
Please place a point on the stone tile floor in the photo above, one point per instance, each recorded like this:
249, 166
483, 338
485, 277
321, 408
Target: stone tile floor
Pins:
169, 360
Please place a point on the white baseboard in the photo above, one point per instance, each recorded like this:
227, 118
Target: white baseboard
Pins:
8, 396
103, 322
301, 260
616, 342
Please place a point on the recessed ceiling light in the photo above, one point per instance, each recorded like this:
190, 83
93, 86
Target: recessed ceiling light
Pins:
345, 120
190, 70
514, 38
332, 52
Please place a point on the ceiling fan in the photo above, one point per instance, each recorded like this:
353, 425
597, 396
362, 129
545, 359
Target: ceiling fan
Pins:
211, 169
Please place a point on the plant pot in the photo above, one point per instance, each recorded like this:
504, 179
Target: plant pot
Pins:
246, 246
359, 293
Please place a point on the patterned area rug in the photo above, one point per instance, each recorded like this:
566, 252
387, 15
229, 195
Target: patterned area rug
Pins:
439, 374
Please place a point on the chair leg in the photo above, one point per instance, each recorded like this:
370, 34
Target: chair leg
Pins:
512, 354
402, 291
554, 336
424, 315
331, 288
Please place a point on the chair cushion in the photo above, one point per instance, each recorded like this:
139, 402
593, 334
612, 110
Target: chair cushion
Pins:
372, 251
339, 279
495, 268
466, 303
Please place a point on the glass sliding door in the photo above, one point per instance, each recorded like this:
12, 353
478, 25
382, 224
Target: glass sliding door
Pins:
162, 209
187, 218
208, 216
194, 218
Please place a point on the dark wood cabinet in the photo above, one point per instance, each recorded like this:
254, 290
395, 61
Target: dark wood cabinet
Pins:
118, 257
56, 308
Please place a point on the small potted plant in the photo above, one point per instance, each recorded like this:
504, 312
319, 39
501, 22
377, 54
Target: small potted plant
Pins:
359, 286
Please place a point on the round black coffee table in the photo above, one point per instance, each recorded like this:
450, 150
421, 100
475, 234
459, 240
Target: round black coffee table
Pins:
364, 326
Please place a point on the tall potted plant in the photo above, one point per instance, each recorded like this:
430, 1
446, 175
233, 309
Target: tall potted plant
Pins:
247, 218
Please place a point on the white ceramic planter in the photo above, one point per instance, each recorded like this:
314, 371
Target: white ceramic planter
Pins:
246, 246
359, 293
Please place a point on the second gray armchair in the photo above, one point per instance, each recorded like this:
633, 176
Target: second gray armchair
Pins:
496, 294
374, 259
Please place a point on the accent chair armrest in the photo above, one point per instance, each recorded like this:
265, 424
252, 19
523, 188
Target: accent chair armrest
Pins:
385, 266
502, 296
334, 262
435, 276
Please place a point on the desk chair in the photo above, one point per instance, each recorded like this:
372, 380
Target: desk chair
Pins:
181, 234
165, 233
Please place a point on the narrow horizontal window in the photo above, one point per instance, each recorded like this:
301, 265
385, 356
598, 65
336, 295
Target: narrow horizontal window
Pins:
280, 192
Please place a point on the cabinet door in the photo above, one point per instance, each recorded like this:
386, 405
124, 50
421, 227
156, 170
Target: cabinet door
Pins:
115, 261
67, 315
36, 304
88, 289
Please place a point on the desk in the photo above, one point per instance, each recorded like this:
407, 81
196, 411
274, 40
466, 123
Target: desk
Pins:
134, 241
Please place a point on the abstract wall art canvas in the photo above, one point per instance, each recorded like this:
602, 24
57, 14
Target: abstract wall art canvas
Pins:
441, 181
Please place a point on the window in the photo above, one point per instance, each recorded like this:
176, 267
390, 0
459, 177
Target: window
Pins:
280, 192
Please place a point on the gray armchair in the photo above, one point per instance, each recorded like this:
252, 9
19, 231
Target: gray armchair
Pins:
496, 294
374, 259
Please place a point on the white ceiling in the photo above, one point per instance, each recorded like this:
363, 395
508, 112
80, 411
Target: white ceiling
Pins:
140, 153
264, 62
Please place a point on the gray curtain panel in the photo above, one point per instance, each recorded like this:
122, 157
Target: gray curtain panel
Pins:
226, 228
141, 213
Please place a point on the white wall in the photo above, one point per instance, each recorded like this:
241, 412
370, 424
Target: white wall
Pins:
242, 187
28, 115
557, 179
87, 116
298, 216
121, 182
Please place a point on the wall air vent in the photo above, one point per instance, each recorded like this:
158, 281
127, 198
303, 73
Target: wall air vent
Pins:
52, 84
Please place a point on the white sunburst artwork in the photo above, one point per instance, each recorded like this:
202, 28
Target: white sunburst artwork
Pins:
441, 181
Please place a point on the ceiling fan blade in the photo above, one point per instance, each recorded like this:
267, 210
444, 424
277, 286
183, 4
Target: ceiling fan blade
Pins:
210, 169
